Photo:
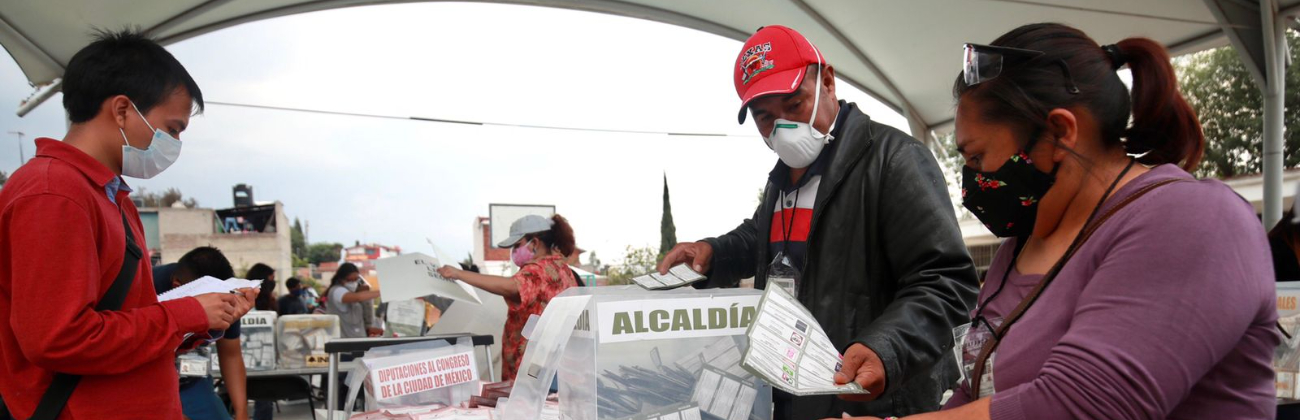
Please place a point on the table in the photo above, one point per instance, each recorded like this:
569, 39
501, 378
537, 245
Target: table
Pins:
358, 347
312, 371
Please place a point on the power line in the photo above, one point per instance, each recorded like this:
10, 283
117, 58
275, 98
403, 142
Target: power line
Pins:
469, 122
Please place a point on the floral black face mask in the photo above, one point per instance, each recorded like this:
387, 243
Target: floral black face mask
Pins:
1006, 200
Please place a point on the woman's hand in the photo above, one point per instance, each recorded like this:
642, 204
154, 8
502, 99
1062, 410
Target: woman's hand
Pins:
450, 273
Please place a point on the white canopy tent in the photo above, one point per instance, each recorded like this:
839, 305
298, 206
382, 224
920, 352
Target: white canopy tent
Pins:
903, 52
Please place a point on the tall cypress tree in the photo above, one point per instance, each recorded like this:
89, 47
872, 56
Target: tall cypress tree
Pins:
667, 230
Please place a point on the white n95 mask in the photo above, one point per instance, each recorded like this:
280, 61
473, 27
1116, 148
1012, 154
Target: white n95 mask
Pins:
798, 143
147, 163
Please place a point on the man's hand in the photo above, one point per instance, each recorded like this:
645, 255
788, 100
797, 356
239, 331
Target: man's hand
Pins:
450, 273
247, 299
863, 366
698, 254
222, 309
374, 332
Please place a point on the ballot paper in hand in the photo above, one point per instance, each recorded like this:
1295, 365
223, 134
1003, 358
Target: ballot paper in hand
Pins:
208, 284
415, 275
789, 349
678, 276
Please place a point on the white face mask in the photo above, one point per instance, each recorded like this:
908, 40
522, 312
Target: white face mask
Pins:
147, 163
351, 286
798, 143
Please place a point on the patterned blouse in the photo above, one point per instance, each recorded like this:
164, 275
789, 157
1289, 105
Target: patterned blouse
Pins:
539, 281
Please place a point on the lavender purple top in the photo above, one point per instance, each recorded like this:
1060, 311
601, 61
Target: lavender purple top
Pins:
1168, 311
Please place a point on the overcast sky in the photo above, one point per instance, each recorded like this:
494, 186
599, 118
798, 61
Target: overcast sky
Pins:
397, 182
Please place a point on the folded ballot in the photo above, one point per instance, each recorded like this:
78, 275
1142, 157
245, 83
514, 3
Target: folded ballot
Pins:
678, 276
208, 284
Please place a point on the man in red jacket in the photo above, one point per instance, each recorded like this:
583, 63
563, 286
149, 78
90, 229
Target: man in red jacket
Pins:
63, 243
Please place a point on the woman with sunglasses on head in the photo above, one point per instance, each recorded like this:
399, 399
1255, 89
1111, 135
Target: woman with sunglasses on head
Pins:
1125, 288
539, 247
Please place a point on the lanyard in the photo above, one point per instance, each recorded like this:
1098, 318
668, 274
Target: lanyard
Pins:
785, 233
1025, 303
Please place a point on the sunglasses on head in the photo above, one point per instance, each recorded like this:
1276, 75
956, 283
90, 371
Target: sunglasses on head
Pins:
981, 63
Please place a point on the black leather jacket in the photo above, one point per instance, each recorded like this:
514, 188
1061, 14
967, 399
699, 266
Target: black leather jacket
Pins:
886, 266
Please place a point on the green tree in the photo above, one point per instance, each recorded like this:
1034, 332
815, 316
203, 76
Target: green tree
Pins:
667, 230
950, 163
324, 252
297, 240
636, 261
170, 196
1228, 101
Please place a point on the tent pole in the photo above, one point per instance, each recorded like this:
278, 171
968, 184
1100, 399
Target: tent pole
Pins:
1274, 34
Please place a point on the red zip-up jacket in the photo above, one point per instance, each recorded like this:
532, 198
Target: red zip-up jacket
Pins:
61, 246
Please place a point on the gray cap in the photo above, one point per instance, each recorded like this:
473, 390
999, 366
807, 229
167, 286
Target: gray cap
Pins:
525, 225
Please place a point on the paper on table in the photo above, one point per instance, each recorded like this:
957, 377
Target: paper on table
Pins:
789, 349
415, 275
207, 284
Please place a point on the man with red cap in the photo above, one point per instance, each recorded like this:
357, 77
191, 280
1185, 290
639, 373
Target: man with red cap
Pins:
856, 223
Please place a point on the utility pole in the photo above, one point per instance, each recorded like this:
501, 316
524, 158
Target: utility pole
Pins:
20, 145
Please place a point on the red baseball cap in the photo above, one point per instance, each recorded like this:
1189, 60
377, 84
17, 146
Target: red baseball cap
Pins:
773, 61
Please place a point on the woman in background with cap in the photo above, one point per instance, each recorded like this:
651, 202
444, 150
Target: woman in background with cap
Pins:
1126, 288
538, 246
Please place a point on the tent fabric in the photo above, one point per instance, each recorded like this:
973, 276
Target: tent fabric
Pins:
903, 52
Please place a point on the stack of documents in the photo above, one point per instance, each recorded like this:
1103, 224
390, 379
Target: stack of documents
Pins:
678, 276
208, 284
789, 349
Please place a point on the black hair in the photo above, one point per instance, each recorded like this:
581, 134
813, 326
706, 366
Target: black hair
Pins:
345, 270
203, 261
559, 237
1164, 127
259, 271
292, 283
263, 272
124, 62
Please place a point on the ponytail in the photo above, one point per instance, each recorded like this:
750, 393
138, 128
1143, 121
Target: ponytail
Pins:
560, 237
1165, 127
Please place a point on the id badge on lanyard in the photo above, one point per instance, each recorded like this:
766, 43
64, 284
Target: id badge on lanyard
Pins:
782, 273
968, 341
193, 365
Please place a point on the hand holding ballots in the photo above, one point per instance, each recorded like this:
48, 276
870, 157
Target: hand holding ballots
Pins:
678, 276
789, 349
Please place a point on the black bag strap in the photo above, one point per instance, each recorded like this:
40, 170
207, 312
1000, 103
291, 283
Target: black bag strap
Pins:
992, 344
60, 390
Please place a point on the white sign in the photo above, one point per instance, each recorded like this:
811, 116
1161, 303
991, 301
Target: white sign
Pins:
415, 275
661, 319
420, 375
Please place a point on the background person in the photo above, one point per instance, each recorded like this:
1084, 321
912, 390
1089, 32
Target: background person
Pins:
266, 294
199, 400
351, 302
64, 222
292, 303
346, 299
1167, 309
538, 246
